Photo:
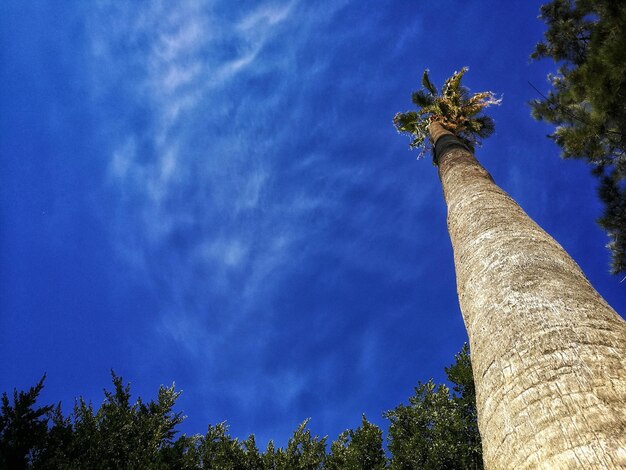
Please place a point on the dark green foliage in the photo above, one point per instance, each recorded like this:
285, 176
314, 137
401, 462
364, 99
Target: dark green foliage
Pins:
437, 430
464, 397
219, 450
122, 434
23, 428
55, 451
273, 459
587, 101
183, 454
118, 435
305, 452
360, 449
253, 459
455, 109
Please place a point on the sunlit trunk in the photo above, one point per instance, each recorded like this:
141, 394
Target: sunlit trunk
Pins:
548, 352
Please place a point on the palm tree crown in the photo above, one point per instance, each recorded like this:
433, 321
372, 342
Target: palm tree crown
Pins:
455, 109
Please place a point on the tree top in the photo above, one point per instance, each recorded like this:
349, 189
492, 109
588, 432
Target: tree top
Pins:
454, 108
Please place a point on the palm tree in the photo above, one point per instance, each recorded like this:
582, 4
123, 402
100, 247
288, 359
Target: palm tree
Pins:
548, 352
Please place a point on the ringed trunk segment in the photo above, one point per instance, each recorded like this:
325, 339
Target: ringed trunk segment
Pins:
548, 352
437, 131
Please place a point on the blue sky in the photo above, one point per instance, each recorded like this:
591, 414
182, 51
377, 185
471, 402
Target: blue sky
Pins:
213, 194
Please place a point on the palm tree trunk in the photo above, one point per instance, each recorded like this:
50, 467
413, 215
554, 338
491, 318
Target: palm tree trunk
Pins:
548, 352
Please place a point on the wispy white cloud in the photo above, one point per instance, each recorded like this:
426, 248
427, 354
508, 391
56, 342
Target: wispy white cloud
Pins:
231, 68
220, 205
266, 16
204, 205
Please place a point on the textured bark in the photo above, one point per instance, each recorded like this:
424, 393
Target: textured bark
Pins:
548, 352
436, 130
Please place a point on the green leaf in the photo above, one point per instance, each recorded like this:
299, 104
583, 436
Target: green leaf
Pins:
422, 99
455, 109
452, 84
426, 83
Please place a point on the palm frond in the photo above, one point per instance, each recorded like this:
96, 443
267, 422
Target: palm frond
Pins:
455, 109
405, 122
452, 84
422, 99
427, 84
486, 126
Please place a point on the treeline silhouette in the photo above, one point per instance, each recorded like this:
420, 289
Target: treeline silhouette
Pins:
437, 429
